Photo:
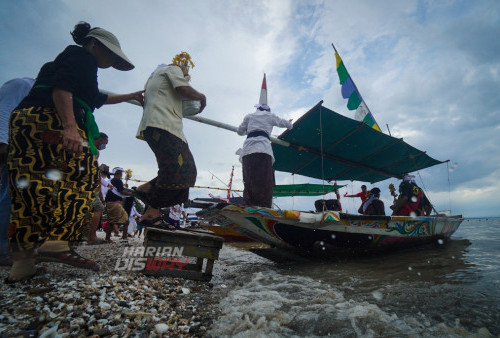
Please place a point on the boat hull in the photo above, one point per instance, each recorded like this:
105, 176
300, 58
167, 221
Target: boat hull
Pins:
331, 231
228, 234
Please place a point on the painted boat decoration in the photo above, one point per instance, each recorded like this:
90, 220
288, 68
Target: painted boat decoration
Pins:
331, 231
227, 233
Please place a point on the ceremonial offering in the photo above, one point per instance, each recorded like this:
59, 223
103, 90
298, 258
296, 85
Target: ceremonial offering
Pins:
190, 107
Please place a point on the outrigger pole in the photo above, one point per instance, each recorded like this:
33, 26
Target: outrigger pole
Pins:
275, 140
207, 121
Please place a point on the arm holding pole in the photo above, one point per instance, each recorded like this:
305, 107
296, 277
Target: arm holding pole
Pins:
206, 121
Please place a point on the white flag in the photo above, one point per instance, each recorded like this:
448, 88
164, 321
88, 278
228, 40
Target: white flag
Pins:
361, 111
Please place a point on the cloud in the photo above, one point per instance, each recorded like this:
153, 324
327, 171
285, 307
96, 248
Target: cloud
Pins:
428, 70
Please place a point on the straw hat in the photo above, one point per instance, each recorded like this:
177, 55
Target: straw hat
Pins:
112, 43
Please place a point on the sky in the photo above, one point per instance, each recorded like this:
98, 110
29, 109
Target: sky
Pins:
428, 70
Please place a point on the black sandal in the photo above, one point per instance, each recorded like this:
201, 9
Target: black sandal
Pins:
70, 257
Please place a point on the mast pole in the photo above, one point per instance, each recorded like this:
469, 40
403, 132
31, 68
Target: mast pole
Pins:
230, 185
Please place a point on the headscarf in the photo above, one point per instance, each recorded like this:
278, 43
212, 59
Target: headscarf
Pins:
260, 106
375, 194
409, 178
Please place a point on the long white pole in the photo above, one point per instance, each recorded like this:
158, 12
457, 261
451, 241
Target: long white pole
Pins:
274, 140
207, 121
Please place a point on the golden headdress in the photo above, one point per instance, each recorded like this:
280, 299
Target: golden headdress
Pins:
183, 59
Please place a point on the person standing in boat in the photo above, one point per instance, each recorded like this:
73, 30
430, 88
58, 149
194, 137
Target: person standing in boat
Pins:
363, 194
52, 155
257, 154
161, 127
409, 198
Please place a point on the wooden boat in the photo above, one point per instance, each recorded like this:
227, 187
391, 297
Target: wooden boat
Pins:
342, 149
227, 234
332, 231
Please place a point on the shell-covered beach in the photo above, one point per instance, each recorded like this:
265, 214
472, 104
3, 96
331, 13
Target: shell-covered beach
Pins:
75, 302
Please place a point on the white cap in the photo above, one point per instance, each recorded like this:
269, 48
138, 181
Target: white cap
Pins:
116, 169
409, 178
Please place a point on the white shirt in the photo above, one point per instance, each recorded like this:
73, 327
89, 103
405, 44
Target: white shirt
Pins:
12, 93
264, 121
162, 102
104, 186
176, 211
133, 212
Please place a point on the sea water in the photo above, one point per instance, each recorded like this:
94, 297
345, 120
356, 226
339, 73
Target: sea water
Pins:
448, 289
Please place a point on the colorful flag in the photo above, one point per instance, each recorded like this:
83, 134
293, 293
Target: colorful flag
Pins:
350, 92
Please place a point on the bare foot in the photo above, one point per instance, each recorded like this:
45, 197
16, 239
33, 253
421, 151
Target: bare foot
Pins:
54, 246
23, 267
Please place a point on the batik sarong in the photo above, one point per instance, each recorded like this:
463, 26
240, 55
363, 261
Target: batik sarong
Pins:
176, 168
51, 189
115, 213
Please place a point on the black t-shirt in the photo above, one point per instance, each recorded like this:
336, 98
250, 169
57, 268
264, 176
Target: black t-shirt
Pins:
409, 190
74, 70
110, 195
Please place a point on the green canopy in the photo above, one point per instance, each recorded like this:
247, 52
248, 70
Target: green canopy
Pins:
304, 189
329, 146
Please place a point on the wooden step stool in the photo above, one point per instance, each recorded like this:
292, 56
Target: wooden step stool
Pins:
197, 244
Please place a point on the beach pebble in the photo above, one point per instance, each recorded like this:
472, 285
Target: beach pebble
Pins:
104, 305
102, 331
161, 328
72, 302
77, 322
103, 321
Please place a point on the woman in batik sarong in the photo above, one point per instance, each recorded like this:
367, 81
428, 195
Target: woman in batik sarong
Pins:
161, 127
257, 155
52, 155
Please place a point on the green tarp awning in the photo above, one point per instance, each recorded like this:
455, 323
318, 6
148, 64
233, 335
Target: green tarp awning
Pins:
329, 146
304, 189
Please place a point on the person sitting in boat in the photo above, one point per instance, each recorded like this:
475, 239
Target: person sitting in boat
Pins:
257, 155
373, 205
409, 198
